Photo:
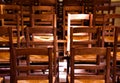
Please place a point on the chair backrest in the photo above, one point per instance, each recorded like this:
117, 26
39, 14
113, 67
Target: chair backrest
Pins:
47, 24
14, 9
100, 8
43, 10
108, 26
70, 10
99, 13
42, 33
20, 69
11, 9
81, 20
39, 36
104, 52
90, 4
45, 20
85, 37
4, 35
102, 2
9, 33
12, 20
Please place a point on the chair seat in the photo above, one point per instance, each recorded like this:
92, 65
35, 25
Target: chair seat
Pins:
43, 38
6, 39
110, 38
118, 55
80, 38
37, 58
4, 57
35, 81
89, 81
88, 58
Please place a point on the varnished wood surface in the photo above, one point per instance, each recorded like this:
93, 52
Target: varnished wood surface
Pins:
76, 81
4, 57
89, 81
1, 79
33, 81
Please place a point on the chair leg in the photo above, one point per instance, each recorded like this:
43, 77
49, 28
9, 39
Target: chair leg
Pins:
68, 65
3, 80
118, 80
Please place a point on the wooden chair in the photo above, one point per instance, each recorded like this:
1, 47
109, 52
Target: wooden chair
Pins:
72, 2
102, 2
36, 41
45, 22
116, 59
99, 13
69, 10
11, 9
88, 5
82, 35
15, 9
42, 33
108, 34
9, 21
5, 48
43, 10
13, 20
85, 37
79, 72
81, 20
108, 28
21, 69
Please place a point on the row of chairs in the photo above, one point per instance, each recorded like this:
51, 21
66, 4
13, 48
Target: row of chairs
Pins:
26, 63
41, 34
75, 52
19, 17
78, 20
100, 6
36, 30
96, 18
77, 29
80, 36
